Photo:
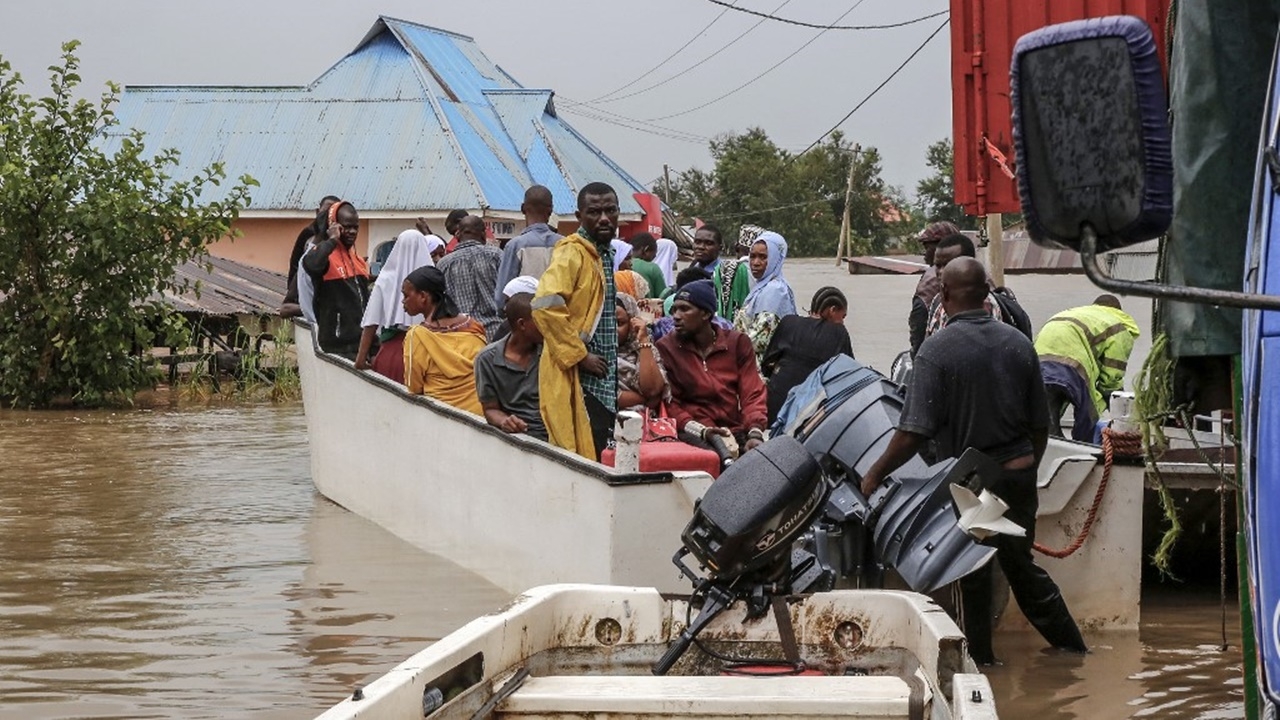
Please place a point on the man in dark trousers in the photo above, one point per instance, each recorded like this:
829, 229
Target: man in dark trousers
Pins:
976, 383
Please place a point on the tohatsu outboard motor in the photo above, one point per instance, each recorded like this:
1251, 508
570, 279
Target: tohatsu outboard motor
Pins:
788, 517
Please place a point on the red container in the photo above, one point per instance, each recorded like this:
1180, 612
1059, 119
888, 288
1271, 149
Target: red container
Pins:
672, 456
983, 33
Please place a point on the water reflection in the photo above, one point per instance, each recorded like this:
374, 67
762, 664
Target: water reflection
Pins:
178, 564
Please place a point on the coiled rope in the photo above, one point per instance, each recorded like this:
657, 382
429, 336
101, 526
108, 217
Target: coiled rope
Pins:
1126, 444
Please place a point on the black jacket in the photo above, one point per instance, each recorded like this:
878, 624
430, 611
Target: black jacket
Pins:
339, 301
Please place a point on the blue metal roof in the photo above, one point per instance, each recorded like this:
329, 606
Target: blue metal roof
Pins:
415, 118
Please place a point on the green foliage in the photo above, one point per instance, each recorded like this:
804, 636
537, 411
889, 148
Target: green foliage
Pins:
935, 195
802, 197
89, 242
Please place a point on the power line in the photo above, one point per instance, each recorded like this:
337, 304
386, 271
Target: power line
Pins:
877, 89
667, 59
701, 62
775, 66
769, 16
640, 126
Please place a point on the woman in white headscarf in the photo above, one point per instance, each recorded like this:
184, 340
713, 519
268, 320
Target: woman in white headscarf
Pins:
626, 280
384, 315
771, 298
668, 253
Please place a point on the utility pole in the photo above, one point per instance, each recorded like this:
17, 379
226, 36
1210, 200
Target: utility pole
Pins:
995, 248
844, 242
666, 184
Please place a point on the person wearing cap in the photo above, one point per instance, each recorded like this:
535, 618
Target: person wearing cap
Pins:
507, 373
440, 352
929, 286
709, 375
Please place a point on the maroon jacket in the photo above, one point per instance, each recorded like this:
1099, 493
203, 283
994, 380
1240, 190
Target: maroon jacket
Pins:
725, 390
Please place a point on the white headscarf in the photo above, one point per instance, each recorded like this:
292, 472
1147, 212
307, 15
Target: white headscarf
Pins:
411, 251
668, 253
621, 249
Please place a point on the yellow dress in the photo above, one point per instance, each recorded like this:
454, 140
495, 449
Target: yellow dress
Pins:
441, 363
565, 308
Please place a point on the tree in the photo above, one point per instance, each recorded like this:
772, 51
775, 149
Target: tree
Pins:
936, 194
756, 182
89, 242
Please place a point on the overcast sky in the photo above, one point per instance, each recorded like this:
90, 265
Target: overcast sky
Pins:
582, 50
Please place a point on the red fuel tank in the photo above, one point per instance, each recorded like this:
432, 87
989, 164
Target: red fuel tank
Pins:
672, 456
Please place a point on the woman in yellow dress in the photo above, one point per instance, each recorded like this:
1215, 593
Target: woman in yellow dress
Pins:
439, 353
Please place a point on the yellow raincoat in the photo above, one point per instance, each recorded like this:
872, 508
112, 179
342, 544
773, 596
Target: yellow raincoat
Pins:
566, 309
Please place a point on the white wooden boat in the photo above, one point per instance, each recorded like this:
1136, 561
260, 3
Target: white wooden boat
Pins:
509, 508
585, 651
521, 513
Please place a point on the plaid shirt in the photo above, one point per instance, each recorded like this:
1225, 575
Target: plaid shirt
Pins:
470, 274
605, 341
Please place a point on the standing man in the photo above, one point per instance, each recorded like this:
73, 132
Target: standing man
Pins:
529, 253
307, 239
578, 375
1084, 353
471, 271
929, 285
731, 286
978, 385
341, 280
644, 249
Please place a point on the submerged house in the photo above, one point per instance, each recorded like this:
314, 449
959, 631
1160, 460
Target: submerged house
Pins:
415, 121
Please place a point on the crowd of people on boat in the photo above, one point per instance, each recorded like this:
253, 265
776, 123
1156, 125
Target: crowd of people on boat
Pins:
553, 336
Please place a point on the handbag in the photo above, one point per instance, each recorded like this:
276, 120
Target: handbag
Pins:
660, 427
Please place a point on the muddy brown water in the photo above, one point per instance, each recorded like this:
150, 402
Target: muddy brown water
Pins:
175, 563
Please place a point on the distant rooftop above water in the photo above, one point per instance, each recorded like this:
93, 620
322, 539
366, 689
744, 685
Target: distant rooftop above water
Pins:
414, 118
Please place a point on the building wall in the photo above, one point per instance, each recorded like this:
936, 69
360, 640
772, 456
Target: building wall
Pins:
267, 242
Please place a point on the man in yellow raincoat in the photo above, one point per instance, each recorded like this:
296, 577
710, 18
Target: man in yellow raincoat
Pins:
577, 376
1084, 353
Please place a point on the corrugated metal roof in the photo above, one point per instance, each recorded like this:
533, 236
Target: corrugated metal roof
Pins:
415, 118
227, 288
875, 265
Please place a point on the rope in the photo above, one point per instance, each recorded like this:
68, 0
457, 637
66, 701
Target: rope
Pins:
1112, 442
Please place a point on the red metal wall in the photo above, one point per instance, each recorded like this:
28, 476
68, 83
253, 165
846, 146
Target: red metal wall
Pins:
983, 33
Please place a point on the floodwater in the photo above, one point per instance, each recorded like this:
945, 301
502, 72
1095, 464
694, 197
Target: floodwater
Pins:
177, 563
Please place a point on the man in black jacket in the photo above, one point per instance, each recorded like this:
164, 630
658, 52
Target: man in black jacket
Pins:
341, 279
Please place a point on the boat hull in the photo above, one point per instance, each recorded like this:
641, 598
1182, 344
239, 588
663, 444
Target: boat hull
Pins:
588, 649
516, 511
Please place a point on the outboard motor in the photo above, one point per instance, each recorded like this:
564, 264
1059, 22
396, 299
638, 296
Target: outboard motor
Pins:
788, 517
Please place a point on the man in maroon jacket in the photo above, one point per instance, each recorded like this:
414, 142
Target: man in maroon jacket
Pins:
712, 382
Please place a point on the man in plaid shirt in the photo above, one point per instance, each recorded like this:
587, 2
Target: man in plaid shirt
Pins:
471, 272
578, 374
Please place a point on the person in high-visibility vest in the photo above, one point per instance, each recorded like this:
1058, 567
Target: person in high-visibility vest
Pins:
1084, 353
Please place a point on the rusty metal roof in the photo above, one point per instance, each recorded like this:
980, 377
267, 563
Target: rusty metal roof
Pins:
879, 265
227, 288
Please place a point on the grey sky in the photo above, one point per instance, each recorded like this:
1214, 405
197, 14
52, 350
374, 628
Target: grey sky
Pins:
580, 49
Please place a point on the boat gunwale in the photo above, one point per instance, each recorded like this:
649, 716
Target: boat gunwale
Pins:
527, 443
